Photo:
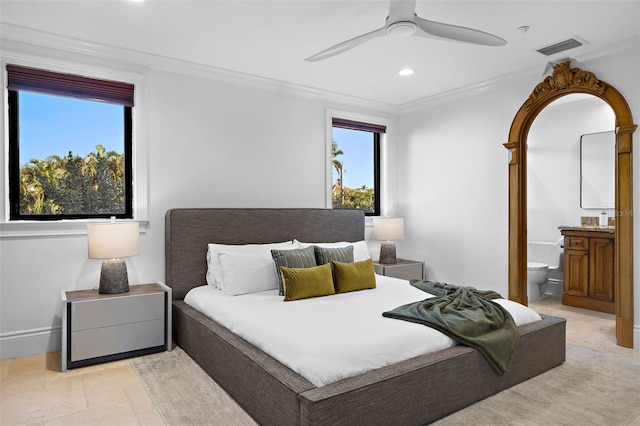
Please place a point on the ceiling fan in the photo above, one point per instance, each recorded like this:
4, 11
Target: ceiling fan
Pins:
403, 21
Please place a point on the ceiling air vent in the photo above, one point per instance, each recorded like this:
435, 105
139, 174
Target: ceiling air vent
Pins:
561, 46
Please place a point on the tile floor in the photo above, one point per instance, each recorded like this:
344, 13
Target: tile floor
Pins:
34, 392
591, 329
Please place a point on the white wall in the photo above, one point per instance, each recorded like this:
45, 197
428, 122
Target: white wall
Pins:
453, 189
211, 144
215, 144
553, 165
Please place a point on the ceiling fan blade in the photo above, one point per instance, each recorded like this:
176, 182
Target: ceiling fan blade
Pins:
347, 45
428, 28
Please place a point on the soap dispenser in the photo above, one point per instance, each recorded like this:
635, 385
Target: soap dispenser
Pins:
604, 220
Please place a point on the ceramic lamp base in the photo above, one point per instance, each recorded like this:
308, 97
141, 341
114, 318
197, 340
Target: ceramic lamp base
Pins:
388, 253
113, 277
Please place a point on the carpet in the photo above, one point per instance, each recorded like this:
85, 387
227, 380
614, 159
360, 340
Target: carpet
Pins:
591, 388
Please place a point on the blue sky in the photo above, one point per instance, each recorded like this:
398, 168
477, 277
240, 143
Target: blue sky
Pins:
357, 160
55, 125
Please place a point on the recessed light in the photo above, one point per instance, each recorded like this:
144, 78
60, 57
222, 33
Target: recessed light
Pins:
405, 72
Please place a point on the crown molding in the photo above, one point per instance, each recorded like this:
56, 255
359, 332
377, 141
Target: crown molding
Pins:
28, 36
465, 91
37, 38
536, 74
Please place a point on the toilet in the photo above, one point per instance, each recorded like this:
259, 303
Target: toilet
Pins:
537, 280
543, 259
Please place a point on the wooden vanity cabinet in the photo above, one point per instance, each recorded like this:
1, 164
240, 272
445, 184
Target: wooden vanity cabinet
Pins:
588, 268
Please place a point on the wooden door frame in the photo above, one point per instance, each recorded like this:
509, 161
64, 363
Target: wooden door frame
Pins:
564, 81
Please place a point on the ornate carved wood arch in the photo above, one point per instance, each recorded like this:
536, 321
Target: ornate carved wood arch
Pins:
564, 81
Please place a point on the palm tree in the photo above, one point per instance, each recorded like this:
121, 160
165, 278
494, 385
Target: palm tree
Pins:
73, 184
335, 151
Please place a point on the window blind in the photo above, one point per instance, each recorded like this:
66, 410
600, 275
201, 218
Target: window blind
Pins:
357, 125
54, 83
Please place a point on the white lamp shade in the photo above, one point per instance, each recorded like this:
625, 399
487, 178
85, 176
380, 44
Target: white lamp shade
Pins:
388, 228
113, 240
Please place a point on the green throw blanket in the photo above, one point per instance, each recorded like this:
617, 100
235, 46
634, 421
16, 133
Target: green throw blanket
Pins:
466, 315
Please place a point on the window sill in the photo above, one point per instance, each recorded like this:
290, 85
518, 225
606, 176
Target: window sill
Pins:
36, 229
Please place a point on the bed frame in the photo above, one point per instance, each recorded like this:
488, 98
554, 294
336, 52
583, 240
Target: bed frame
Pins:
413, 392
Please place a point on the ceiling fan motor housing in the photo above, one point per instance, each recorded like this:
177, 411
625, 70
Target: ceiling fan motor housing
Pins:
402, 29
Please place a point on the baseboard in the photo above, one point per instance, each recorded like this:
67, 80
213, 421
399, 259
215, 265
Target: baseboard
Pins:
636, 337
30, 342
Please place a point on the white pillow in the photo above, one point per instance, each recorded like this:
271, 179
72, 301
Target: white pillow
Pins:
214, 273
360, 249
247, 272
211, 278
521, 314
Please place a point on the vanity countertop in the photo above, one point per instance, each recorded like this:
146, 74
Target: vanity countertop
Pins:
607, 229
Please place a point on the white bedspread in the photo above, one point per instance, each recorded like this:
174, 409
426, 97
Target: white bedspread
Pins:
326, 339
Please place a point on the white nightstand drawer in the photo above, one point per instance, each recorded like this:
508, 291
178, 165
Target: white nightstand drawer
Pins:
91, 314
86, 344
404, 269
99, 327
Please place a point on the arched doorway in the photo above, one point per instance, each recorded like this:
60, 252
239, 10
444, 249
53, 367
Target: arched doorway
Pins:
566, 80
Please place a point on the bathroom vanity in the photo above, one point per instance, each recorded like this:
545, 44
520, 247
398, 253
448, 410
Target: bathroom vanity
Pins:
589, 254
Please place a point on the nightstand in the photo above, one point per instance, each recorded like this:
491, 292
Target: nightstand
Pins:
105, 327
404, 269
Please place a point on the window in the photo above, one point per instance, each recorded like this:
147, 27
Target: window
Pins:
70, 146
355, 157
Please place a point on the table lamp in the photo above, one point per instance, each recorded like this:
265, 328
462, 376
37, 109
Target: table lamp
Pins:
388, 229
113, 241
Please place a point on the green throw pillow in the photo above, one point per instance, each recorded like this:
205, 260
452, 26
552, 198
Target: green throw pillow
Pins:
302, 283
336, 254
354, 276
297, 258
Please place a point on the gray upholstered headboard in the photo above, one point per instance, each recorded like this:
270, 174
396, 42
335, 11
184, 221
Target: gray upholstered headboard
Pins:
188, 231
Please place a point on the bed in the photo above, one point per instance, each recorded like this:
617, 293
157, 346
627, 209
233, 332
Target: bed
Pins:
416, 391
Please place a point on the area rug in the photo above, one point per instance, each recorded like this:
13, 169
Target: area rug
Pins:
184, 394
591, 388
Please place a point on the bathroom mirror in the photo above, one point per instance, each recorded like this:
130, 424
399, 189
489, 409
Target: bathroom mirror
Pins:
597, 170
